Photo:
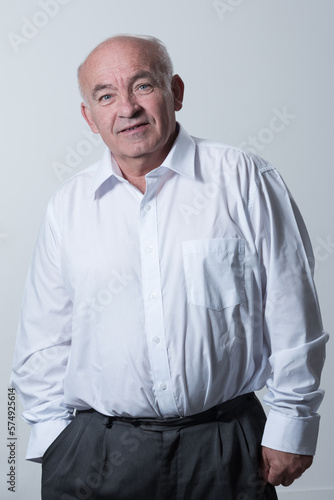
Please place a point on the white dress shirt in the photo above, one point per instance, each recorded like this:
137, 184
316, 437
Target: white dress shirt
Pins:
170, 302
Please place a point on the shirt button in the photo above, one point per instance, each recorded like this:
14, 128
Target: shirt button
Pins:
163, 387
153, 295
156, 340
147, 207
149, 249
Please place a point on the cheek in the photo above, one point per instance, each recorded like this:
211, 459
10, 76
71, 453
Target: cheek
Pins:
105, 122
162, 116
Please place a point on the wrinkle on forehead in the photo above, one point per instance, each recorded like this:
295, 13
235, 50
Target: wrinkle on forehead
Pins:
130, 80
114, 56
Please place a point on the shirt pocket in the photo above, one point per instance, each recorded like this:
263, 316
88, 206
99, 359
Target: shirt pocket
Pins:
214, 272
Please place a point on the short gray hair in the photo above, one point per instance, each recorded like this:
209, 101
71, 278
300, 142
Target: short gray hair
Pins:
164, 63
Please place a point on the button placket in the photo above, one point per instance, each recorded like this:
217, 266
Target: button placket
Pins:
154, 307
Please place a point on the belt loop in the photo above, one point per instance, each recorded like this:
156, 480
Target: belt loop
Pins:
108, 422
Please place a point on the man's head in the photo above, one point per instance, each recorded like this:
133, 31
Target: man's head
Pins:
130, 98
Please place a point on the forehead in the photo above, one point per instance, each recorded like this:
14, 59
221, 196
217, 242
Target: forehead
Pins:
118, 62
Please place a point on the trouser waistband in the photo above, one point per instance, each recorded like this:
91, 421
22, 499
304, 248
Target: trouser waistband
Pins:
177, 422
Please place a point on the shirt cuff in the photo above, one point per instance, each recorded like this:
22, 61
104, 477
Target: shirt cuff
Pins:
42, 435
291, 434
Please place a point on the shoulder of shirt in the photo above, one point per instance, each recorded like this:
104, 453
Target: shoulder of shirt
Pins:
81, 180
238, 155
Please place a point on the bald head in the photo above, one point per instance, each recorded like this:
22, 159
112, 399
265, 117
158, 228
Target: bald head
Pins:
151, 48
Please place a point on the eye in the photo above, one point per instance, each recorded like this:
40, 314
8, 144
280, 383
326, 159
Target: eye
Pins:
106, 99
145, 88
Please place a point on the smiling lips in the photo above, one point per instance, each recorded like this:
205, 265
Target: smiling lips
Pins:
134, 127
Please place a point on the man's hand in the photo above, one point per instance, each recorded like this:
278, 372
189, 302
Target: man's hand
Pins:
279, 467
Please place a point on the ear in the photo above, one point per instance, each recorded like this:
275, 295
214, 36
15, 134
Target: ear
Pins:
178, 91
87, 114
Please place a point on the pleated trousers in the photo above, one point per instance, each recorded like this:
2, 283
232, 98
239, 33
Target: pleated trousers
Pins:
213, 456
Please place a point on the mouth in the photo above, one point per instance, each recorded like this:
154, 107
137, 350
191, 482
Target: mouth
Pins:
134, 127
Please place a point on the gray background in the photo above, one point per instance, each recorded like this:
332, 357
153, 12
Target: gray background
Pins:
243, 62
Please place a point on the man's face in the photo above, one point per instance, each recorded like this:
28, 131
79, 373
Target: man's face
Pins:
128, 104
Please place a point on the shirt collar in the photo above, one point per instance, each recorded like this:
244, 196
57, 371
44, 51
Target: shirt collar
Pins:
180, 159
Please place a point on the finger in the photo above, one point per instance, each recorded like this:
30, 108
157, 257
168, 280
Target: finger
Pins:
264, 469
264, 472
287, 482
277, 477
274, 478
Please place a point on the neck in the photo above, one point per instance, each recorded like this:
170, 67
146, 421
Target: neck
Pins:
138, 181
135, 169
138, 167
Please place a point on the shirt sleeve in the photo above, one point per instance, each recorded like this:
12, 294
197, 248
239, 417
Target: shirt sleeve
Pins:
43, 342
292, 320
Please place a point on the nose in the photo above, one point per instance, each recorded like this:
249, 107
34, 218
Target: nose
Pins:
128, 106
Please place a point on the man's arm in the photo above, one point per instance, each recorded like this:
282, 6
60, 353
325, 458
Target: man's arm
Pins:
292, 328
43, 342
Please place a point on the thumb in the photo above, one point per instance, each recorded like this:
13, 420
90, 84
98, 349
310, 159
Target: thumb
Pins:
264, 467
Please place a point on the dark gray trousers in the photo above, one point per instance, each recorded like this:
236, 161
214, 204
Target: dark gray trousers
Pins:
98, 458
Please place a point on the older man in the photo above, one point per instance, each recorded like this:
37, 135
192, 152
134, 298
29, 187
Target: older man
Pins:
170, 280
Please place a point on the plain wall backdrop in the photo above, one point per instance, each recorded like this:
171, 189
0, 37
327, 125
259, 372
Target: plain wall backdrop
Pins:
258, 73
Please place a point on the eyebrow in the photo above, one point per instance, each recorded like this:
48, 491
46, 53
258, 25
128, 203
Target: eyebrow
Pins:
101, 86
108, 86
